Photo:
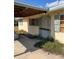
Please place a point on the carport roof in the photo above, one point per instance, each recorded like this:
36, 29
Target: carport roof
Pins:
24, 10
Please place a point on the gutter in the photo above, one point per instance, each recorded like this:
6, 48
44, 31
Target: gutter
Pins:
57, 7
30, 6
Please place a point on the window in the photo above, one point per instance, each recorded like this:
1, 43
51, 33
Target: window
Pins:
34, 22
59, 23
15, 23
62, 23
21, 22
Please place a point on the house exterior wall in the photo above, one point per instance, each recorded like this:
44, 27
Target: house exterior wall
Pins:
52, 26
45, 26
34, 30
45, 22
24, 25
57, 35
16, 28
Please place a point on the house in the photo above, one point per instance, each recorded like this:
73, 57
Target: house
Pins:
56, 12
43, 22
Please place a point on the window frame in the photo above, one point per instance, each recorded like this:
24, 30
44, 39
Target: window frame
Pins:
21, 22
58, 24
33, 22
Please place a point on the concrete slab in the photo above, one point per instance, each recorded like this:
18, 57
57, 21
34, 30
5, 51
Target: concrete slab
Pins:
24, 49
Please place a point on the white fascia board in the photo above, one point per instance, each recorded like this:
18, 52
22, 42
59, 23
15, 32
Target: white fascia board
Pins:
61, 6
18, 18
30, 6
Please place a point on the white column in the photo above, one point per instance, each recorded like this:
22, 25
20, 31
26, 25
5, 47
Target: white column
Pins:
26, 24
52, 27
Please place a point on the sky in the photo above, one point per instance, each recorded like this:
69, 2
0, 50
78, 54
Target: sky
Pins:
40, 3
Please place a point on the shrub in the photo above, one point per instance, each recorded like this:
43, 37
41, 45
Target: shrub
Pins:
53, 47
40, 44
31, 36
21, 32
43, 41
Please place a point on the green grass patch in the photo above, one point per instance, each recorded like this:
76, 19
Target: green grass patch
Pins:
52, 47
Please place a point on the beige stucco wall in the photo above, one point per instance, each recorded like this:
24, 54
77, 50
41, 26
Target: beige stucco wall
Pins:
45, 22
25, 24
34, 30
58, 36
16, 28
52, 26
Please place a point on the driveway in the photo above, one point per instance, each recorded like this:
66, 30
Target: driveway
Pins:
24, 49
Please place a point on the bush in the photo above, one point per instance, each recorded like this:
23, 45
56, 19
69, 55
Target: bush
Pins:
43, 41
53, 47
31, 36
22, 32
40, 44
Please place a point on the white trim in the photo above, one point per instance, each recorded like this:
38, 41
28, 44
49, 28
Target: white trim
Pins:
30, 6
61, 6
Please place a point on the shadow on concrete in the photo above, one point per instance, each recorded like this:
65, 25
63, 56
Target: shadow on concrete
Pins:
28, 44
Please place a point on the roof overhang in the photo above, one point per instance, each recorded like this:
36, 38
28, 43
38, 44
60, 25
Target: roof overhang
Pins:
25, 10
57, 7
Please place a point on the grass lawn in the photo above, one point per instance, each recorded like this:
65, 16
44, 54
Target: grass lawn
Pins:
52, 47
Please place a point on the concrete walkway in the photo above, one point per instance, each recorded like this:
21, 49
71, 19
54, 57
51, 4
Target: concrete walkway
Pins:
24, 49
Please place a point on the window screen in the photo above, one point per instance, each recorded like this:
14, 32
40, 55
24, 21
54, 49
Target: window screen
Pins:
57, 23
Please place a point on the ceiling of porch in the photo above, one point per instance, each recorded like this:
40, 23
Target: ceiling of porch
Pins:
25, 11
